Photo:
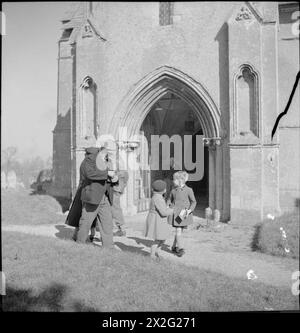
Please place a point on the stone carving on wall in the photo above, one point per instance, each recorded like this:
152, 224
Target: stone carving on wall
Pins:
244, 14
90, 28
87, 30
128, 145
212, 143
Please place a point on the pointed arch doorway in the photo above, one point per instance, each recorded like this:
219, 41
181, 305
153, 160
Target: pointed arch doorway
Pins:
172, 118
167, 100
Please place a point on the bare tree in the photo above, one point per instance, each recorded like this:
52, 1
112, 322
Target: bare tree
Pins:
48, 163
27, 169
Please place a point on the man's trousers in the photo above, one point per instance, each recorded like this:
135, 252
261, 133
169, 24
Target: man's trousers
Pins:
104, 213
117, 212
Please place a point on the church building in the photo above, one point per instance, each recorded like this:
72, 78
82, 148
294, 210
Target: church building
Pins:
220, 70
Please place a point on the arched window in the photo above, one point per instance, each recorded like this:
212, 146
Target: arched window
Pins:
246, 103
165, 13
88, 109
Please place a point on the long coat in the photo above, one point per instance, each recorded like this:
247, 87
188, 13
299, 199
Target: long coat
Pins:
94, 181
92, 187
182, 198
156, 226
75, 210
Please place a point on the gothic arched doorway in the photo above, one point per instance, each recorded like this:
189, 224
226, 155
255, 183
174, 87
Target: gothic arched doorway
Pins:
197, 115
172, 117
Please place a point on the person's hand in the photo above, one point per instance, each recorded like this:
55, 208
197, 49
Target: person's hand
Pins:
111, 165
111, 173
188, 212
114, 179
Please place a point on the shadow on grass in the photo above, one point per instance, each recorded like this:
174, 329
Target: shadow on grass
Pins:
132, 249
149, 243
64, 232
52, 298
255, 239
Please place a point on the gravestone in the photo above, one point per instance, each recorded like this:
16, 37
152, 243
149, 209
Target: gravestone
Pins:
20, 185
217, 216
3, 180
208, 215
11, 179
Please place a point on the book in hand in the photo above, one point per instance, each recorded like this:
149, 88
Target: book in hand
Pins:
182, 215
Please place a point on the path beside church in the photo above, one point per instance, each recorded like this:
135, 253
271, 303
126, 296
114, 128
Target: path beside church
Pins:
223, 248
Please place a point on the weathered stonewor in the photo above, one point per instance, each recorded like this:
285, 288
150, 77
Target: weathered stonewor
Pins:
232, 64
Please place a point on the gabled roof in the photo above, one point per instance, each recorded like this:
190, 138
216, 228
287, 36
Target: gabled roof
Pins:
76, 18
250, 9
256, 9
93, 23
80, 24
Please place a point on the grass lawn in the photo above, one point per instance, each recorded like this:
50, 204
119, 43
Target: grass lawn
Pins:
22, 207
268, 237
45, 274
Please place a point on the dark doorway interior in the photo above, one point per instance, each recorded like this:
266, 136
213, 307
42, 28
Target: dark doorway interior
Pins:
171, 115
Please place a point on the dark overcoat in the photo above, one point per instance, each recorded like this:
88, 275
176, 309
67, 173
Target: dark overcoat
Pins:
93, 185
75, 210
94, 181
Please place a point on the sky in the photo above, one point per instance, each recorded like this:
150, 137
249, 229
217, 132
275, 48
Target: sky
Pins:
29, 76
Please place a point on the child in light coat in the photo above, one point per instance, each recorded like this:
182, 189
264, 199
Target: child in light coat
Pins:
157, 227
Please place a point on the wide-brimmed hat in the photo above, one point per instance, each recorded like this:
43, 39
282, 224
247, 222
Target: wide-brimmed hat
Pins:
108, 144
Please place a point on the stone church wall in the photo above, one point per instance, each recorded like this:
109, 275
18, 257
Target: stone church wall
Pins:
289, 127
232, 51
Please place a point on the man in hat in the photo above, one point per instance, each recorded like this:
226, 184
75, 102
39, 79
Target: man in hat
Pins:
97, 176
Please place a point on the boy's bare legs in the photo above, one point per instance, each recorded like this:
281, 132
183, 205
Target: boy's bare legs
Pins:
178, 238
177, 244
174, 243
154, 249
